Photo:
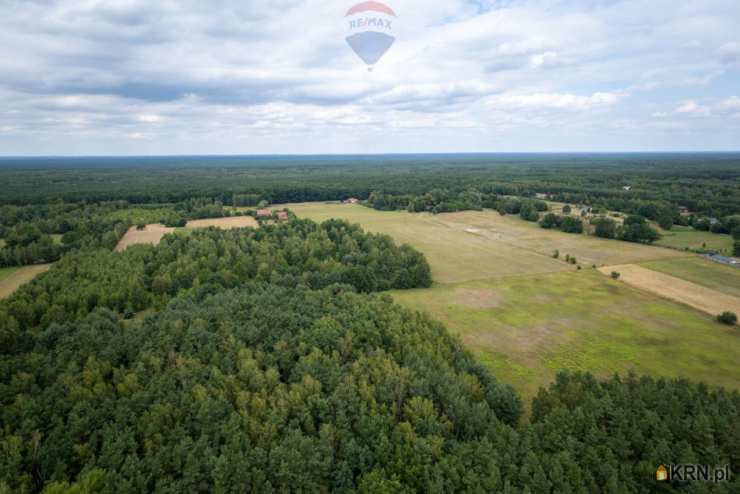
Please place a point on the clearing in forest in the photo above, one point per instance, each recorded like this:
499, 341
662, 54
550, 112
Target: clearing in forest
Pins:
476, 245
699, 297
227, 223
527, 315
527, 328
151, 234
13, 278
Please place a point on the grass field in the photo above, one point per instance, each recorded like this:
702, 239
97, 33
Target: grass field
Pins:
13, 278
5, 272
475, 245
681, 237
527, 328
527, 315
725, 279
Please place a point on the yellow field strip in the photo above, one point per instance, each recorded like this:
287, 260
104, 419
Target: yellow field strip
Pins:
696, 296
152, 234
227, 223
19, 278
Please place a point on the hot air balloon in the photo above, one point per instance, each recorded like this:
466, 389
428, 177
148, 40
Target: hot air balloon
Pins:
371, 26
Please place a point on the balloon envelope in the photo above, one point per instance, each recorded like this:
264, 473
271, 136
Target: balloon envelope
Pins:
371, 26
370, 45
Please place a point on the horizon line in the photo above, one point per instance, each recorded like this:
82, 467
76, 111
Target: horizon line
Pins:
304, 155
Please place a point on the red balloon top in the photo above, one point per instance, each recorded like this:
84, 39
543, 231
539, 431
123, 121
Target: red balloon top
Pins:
375, 6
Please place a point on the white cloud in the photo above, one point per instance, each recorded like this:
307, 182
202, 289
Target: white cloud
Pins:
559, 101
149, 118
693, 108
732, 104
235, 76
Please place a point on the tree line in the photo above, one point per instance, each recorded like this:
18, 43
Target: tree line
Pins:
34, 234
705, 184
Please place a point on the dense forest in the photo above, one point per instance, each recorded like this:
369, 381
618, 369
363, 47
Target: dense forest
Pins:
264, 360
72, 199
39, 233
259, 360
706, 184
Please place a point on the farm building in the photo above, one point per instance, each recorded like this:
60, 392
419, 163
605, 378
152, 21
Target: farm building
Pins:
352, 200
627, 188
282, 216
264, 213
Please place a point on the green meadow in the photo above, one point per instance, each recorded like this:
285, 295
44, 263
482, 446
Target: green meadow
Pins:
5, 272
704, 272
527, 315
683, 238
527, 328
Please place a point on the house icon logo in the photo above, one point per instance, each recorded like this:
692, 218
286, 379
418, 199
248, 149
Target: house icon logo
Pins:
661, 474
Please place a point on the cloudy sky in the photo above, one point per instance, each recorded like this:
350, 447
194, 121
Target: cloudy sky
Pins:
276, 76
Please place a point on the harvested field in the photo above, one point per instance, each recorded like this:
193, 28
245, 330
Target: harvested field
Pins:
13, 278
477, 245
699, 297
152, 235
710, 274
229, 223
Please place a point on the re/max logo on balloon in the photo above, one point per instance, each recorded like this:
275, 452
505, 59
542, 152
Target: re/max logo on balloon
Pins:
370, 25
370, 22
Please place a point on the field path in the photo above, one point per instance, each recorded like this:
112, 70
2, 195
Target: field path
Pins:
702, 298
20, 277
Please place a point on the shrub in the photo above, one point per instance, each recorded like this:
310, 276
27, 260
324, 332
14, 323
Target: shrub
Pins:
550, 221
605, 228
572, 225
729, 318
666, 222
639, 232
572, 260
556, 254
634, 219
615, 275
